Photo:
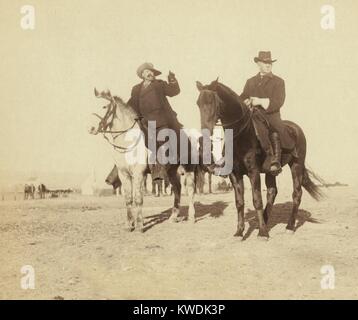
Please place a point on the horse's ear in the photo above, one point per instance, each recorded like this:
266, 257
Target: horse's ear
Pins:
214, 84
199, 85
96, 93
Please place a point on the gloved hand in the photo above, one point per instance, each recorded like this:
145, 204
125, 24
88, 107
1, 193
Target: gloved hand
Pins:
255, 101
263, 102
247, 102
171, 77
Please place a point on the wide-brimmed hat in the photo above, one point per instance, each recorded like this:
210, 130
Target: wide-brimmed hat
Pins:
264, 56
148, 66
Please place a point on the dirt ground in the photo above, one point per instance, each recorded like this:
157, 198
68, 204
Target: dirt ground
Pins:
79, 249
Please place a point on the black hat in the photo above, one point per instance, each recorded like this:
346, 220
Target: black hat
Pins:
264, 56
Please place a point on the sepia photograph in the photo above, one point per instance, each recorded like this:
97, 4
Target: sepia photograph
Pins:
179, 150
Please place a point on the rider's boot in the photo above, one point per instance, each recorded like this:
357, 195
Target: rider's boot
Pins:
275, 167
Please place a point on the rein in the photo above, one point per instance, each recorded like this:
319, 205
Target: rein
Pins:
120, 148
104, 124
239, 127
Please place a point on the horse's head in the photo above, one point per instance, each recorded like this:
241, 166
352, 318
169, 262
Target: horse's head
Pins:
113, 109
209, 104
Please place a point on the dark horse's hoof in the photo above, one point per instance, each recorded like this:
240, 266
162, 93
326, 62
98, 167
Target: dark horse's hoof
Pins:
263, 235
239, 235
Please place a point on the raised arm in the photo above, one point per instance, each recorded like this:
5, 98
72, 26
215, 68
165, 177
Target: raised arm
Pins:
171, 88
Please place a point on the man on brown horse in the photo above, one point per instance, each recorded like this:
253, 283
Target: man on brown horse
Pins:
265, 94
149, 100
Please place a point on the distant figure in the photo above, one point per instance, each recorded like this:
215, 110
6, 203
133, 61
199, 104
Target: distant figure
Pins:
200, 180
29, 191
160, 186
157, 187
114, 181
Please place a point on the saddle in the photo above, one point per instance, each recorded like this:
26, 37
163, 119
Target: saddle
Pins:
288, 131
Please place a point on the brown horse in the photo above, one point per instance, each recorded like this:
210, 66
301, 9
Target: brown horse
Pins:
119, 124
217, 101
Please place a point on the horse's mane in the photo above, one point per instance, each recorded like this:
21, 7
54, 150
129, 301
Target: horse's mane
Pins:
229, 95
126, 106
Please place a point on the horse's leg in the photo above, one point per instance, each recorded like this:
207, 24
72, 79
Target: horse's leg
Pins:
160, 188
145, 183
209, 180
153, 188
237, 181
190, 185
175, 181
128, 197
255, 181
297, 174
271, 187
138, 200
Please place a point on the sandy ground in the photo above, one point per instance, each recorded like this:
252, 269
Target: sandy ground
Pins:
79, 250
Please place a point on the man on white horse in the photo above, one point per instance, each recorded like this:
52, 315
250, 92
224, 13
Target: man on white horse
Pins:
149, 100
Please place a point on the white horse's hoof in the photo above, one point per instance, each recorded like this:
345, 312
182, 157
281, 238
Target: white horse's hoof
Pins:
191, 220
261, 238
290, 232
174, 219
129, 228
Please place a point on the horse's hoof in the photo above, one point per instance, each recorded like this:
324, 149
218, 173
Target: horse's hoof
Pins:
290, 232
174, 220
239, 238
263, 238
191, 220
129, 229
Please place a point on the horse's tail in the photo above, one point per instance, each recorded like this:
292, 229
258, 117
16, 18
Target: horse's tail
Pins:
310, 186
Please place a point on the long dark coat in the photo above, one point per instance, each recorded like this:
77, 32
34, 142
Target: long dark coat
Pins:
272, 87
152, 104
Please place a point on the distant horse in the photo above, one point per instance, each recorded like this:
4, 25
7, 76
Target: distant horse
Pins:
29, 191
217, 101
120, 121
42, 190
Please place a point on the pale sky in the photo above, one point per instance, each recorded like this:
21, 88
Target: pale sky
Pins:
48, 74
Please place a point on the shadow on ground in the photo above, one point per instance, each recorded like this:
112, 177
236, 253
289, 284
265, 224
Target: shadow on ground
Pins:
280, 214
202, 211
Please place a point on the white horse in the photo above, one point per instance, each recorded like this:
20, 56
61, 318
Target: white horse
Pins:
120, 127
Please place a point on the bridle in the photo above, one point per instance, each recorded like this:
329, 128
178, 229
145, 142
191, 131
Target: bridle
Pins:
238, 125
107, 122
